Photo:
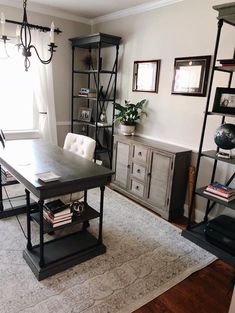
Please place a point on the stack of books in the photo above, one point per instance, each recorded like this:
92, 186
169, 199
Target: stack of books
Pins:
228, 64
57, 213
86, 92
6, 176
220, 191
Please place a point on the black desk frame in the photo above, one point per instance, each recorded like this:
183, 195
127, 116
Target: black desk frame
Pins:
50, 257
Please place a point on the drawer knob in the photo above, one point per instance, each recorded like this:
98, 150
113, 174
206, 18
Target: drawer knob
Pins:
138, 171
137, 187
139, 153
128, 166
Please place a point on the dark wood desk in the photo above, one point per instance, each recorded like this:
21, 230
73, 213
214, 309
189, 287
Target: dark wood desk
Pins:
26, 158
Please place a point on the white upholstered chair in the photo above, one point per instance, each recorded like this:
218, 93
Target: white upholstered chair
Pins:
83, 146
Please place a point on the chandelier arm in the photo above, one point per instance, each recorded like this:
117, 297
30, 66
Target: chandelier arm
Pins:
41, 60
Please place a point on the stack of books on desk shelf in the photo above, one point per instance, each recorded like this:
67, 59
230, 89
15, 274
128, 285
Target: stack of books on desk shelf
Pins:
6, 176
220, 191
57, 213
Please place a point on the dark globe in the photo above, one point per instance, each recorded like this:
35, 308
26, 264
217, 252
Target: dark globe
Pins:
225, 136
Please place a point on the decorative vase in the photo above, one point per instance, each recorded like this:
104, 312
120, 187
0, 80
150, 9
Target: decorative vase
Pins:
127, 130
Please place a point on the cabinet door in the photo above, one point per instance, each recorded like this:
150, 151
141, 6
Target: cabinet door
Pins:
122, 163
160, 177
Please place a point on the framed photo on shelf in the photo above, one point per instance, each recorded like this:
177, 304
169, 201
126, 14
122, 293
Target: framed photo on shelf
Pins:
191, 76
224, 100
84, 114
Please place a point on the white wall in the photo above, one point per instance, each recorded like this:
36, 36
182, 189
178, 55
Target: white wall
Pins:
187, 28
62, 60
184, 29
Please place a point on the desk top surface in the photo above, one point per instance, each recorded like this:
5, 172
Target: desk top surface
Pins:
26, 158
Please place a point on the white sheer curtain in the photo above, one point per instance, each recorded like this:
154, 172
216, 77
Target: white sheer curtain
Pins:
43, 88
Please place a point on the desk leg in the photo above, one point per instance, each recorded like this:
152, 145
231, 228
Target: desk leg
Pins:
41, 262
85, 196
29, 243
101, 213
85, 224
1, 204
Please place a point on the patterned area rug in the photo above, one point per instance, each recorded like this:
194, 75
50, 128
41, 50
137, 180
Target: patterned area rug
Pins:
145, 256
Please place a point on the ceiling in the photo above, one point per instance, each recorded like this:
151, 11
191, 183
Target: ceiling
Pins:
89, 10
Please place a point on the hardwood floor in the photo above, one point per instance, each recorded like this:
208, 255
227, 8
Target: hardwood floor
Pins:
206, 291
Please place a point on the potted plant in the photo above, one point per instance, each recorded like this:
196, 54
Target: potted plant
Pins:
128, 115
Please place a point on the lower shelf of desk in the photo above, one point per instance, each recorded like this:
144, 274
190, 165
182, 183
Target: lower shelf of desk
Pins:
63, 253
196, 235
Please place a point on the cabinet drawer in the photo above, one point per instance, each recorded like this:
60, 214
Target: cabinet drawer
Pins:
137, 188
138, 171
140, 153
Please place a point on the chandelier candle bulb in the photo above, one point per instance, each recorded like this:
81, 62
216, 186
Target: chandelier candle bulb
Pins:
18, 34
3, 22
52, 39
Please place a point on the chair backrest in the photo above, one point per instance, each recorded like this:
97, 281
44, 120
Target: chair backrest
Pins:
82, 145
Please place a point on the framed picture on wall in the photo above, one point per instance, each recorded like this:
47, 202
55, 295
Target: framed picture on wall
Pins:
191, 76
84, 114
146, 76
224, 100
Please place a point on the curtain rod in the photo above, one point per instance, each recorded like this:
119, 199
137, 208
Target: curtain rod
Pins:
42, 28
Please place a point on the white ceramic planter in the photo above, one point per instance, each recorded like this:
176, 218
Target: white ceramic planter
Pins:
127, 130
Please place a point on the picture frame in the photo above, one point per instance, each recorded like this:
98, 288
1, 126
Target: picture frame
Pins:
84, 114
224, 101
146, 76
191, 76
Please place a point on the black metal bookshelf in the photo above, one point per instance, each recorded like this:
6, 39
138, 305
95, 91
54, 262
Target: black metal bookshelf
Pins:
99, 73
195, 233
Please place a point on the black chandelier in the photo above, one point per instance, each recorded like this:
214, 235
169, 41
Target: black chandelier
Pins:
24, 39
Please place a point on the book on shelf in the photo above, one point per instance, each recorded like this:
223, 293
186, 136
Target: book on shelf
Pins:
226, 199
225, 190
227, 61
55, 219
90, 94
59, 222
57, 207
220, 193
62, 223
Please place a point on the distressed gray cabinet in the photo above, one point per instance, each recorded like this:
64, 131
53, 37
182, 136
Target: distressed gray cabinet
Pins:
152, 173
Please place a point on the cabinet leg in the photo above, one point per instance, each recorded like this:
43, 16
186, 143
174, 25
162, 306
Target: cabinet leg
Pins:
101, 213
29, 243
41, 262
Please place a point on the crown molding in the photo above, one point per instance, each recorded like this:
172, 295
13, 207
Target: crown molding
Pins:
33, 7
47, 10
134, 10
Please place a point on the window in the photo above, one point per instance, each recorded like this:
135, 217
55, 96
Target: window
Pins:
16, 92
